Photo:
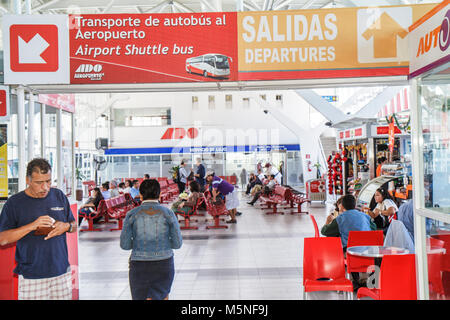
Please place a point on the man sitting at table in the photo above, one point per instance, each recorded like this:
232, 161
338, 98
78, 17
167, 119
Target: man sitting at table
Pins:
349, 220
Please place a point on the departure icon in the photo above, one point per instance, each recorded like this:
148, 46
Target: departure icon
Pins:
382, 34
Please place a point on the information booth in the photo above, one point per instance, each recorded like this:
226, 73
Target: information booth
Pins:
430, 112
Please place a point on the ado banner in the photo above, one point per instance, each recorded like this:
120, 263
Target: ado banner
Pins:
148, 48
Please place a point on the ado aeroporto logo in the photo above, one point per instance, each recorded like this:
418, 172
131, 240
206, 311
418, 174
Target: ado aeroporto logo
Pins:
92, 72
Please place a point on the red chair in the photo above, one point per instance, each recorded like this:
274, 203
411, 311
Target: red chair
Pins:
187, 216
323, 266
362, 238
434, 260
101, 211
316, 228
216, 211
397, 279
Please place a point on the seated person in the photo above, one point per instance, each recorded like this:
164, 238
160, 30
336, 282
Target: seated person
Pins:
267, 189
349, 220
105, 190
134, 191
185, 205
113, 191
90, 207
254, 180
121, 187
338, 208
128, 186
382, 209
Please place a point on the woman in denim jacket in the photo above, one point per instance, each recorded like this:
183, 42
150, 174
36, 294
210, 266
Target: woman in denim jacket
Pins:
151, 231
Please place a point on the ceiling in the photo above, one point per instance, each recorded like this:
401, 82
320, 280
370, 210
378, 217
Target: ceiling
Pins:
174, 6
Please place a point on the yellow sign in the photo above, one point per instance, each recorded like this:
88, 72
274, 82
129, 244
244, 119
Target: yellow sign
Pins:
326, 43
3, 162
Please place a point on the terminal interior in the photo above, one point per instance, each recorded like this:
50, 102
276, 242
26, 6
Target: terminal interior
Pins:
122, 132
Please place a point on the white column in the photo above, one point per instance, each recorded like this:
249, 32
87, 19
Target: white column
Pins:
17, 8
21, 137
74, 180
30, 148
59, 173
43, 127
417, 165
28, 6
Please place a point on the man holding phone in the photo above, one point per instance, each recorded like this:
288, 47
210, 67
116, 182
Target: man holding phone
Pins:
37, 219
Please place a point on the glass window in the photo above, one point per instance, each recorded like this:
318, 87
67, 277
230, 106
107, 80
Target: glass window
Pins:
438, 258
142, 117
294, 168
194, 102
228, 101
120, 167
211, 102
140, 165
246, 103
435, 101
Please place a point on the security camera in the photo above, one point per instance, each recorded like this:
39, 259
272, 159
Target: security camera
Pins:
329, 123
266, 111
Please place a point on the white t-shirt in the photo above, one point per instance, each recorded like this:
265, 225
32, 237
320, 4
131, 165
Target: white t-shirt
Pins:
386, 204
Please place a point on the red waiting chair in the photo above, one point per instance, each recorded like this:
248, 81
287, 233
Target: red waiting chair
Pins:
187, 216
434, 260
397, 279
362, 238
316, 228
323, 266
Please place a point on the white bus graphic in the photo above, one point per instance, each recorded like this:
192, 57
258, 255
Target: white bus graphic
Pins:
209, 65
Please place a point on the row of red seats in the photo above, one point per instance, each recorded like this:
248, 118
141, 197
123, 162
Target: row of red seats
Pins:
215, 210
283, 195
110, 209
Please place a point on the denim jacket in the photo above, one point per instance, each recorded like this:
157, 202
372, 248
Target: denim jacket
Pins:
151, 231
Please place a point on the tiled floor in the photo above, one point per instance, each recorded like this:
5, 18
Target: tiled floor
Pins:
260, 257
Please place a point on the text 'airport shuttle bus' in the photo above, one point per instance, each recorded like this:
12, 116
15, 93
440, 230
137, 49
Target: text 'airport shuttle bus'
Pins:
209, 65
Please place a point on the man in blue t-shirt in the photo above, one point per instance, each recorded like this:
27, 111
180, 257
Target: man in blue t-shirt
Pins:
37, 219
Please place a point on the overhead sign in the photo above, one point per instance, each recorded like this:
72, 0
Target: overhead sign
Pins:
430, 40
4, 102
326, 43
36, 49
208, 47
143, 48
65, 102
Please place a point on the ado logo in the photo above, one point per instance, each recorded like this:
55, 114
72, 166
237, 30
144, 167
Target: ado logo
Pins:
89, 68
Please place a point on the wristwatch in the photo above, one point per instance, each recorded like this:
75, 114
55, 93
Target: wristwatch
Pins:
70, 228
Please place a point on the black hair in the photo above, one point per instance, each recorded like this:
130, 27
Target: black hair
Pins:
338, 201
381, 160
273, 176
122, 185
147, 176
130, 183
38, 165
348, 202
194, 186
98, 195
106, 185
150, 189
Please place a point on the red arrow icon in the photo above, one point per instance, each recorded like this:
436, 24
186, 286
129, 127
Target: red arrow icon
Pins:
34, 48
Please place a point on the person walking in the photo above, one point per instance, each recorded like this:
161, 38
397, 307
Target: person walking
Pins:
37, 219
151, 231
